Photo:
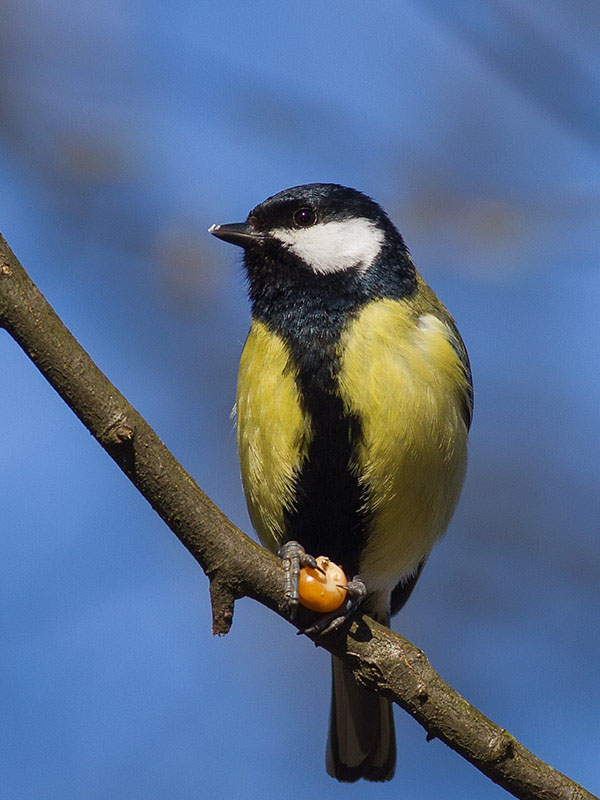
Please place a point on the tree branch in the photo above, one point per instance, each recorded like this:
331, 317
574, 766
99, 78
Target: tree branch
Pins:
236, 566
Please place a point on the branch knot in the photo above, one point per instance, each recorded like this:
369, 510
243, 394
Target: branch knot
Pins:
501, 747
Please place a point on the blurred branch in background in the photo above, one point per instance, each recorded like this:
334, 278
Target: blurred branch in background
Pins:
503, 34
380, 659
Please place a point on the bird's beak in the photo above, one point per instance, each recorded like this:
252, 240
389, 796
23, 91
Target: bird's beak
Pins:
239, 233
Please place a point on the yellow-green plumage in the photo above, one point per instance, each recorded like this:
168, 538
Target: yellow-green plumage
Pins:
403, 378
272, 432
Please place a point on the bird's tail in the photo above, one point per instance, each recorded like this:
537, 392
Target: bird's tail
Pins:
361, 741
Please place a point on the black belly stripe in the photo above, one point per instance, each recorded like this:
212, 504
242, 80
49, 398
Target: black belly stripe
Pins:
328, 517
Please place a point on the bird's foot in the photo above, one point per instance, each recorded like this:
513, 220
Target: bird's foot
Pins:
356, 593
294, 558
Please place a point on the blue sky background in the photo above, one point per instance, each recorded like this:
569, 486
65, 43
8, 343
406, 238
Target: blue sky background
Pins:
126, 129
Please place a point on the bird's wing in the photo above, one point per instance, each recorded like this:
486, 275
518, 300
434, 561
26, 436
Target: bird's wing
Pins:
429, 303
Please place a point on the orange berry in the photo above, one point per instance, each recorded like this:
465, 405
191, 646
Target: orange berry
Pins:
320, 592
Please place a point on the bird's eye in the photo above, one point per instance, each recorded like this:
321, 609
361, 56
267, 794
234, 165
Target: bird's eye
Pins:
304, 217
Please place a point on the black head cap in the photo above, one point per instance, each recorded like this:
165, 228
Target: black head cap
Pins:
328, 201
306, 206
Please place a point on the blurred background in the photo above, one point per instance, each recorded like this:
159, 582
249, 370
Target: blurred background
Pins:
128, 127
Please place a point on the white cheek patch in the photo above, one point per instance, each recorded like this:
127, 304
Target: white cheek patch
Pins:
333, 246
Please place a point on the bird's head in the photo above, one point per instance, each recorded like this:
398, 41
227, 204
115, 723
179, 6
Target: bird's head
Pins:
317, 229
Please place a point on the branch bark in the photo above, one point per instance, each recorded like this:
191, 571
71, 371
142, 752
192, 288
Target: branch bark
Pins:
237, 567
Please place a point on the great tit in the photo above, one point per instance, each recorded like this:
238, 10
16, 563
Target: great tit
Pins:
353, 407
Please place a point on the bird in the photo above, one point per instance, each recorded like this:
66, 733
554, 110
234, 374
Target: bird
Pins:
354, 402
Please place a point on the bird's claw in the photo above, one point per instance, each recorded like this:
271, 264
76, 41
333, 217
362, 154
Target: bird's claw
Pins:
356, 593
294, 557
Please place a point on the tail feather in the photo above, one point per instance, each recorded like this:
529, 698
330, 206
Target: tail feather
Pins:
362, 741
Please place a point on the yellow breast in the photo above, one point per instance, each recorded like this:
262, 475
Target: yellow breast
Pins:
273, 433
405, 381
